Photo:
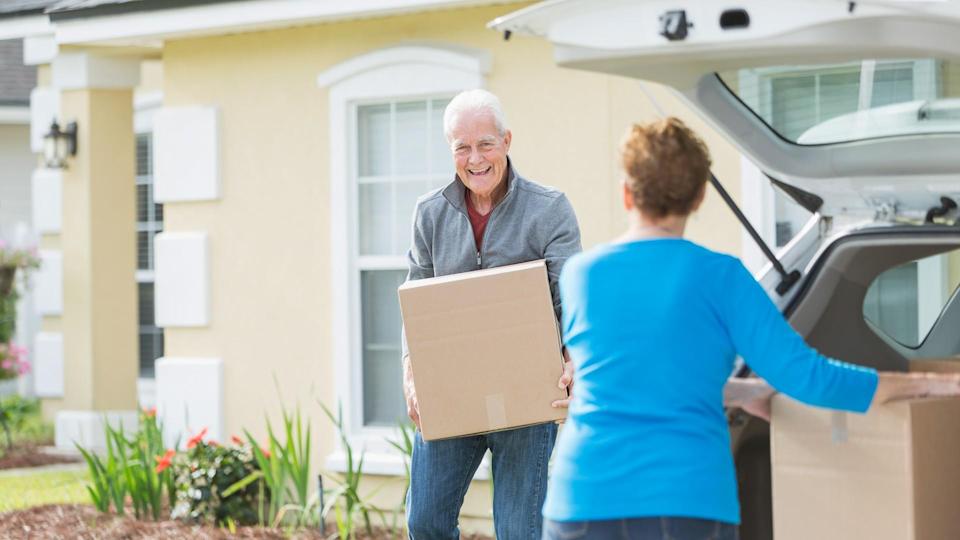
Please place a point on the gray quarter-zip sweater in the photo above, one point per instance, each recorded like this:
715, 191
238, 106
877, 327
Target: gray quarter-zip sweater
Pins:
531, 222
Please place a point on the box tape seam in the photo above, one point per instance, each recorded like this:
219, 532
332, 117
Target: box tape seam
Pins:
838, 427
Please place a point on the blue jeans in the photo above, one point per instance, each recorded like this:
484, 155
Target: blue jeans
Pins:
657, 528
441, 471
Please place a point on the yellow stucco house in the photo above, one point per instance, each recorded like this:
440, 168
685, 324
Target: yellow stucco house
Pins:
229, 236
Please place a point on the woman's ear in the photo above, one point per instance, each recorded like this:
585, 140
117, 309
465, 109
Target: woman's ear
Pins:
628, 204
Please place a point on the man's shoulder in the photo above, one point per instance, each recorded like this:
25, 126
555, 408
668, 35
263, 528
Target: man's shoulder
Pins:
431, 199
538, 190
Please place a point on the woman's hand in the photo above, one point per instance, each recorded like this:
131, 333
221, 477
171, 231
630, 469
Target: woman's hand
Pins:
750, 394
895, 386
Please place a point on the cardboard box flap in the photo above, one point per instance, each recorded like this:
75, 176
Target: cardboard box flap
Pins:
936, 365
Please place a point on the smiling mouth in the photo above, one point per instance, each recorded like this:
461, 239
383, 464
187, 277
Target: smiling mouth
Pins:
480, 172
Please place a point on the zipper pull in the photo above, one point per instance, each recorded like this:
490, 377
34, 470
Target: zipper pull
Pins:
478, 259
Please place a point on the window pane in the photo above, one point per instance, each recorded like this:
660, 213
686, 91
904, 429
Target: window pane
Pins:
375, 213
441, 159
144, 167
142, 202
839, 94
905, 302
144, 245
150, 337
151, 348
893, 85
407, 193
145, 297
373, 132
411, 138
794, 105
383, 402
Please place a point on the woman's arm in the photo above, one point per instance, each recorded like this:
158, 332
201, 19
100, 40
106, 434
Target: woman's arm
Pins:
895, 386
753, 394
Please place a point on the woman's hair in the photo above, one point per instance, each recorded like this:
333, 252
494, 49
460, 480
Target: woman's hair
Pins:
666, 165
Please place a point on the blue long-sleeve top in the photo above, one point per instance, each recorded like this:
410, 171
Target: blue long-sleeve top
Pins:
653, 328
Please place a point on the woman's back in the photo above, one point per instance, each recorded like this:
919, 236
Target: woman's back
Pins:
653, 327
646, 429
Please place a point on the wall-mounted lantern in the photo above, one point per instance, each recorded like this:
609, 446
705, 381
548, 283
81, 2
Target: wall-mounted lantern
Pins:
58, 145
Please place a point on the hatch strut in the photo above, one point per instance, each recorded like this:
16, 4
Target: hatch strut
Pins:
787, 280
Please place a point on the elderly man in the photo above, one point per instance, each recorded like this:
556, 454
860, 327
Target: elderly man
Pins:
488, 216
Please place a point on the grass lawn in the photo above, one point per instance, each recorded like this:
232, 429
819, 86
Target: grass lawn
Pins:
23, 490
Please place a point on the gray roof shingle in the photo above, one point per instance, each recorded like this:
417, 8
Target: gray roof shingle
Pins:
71, 9
13, 8
16, 79
76, 5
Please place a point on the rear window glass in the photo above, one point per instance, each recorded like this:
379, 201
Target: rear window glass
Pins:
906, 301
825, 104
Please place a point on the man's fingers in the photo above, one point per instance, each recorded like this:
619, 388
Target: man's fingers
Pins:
561, 403
567, 377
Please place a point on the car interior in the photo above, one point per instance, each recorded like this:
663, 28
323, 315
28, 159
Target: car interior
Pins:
840, 312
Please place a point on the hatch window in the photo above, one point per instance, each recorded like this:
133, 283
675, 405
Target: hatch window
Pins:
825, 104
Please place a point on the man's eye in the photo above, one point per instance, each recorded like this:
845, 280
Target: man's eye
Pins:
486, 146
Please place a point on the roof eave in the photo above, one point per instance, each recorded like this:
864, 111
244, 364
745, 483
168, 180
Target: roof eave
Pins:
148, 28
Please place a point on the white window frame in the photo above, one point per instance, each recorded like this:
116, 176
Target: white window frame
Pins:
145, 106
411, 72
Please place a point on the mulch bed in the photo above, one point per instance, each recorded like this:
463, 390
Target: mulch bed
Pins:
30, 455
85, 522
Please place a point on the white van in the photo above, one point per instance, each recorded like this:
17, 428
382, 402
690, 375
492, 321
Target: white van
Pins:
847, 108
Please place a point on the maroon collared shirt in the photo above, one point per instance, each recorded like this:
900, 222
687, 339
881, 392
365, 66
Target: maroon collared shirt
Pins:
477, 220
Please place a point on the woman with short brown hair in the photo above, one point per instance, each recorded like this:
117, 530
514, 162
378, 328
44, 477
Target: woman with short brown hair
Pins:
653, 323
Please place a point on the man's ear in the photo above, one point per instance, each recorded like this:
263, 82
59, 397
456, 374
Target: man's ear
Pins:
506, 141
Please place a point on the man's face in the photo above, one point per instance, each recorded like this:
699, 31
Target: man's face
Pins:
479, 152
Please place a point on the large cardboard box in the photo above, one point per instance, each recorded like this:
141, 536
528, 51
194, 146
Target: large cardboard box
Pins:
892, 474
485, 350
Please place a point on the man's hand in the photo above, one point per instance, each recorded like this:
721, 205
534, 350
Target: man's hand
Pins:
566, 381
750, 394
410, 392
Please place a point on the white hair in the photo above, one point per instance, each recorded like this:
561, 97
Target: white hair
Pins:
478, 100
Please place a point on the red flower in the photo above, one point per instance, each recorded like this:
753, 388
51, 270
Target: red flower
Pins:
164, 461
266, 453
151, 412
213, 443
196, 439
236, 440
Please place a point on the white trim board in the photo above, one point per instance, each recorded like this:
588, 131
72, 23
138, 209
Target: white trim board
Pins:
15, 115
145, 28
39, 50
21, 27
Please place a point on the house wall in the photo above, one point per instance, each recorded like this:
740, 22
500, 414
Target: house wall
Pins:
269, 231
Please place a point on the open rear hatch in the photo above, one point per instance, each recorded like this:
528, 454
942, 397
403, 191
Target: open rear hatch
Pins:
850, 102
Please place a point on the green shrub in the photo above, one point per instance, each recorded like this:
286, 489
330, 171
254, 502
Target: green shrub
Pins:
205, 473
134, 466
